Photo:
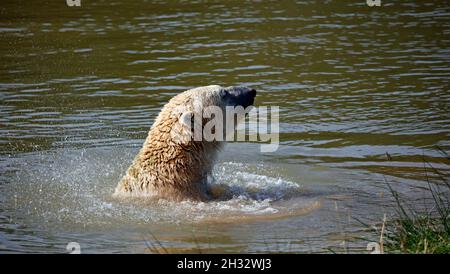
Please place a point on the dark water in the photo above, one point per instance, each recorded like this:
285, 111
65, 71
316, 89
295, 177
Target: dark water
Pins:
80, 87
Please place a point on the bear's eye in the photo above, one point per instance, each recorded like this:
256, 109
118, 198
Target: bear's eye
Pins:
223, 93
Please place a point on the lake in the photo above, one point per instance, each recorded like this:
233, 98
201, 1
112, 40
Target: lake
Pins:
363, 94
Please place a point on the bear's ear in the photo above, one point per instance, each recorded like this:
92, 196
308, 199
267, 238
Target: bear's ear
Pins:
186, 118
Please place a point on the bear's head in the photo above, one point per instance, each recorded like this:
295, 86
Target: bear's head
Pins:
209, 113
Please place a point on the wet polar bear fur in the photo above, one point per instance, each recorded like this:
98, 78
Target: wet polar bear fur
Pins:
168, 168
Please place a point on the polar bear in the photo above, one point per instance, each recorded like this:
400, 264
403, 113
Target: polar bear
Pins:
173, 164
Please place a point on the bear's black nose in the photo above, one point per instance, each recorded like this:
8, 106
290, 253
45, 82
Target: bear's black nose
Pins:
253, 92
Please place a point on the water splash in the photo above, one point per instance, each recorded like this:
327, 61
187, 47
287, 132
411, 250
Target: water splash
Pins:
70, 189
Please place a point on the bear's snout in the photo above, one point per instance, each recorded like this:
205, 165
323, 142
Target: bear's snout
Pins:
243, 96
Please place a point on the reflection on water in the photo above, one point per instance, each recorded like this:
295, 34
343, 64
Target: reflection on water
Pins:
79, 88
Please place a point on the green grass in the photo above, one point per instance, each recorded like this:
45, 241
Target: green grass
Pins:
415, 229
